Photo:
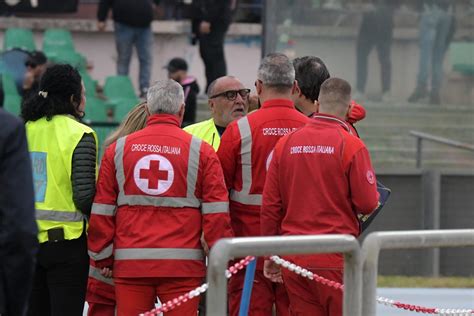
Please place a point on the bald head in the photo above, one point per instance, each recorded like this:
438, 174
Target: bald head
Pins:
335, 97
228, 100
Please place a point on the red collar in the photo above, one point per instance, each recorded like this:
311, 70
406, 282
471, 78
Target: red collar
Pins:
163, 119
330, 119
287, 103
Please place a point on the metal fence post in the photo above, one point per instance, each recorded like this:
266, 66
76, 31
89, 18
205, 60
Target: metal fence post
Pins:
225, 249
374, 242
419, 148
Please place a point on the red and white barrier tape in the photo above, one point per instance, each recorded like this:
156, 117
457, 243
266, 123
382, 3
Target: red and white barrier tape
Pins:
172, 304
388, 302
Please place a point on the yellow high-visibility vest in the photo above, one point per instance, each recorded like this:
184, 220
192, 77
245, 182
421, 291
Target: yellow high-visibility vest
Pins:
207, 131
51, 145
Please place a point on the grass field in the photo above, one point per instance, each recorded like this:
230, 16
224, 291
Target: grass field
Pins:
413, 282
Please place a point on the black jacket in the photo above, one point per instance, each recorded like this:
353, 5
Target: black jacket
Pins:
18, 230
136, 13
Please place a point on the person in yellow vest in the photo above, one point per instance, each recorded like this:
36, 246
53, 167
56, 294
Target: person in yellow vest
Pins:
228, 101
63, 154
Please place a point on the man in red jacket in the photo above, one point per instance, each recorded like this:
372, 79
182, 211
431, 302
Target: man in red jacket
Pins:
319, 179
158, 190
245, 152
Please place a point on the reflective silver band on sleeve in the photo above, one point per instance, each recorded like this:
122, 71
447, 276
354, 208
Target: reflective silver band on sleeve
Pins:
158, 253
104, 254
215, 207
103, 209
95, 274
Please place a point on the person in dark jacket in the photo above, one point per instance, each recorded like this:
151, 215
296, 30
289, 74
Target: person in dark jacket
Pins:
178, 71
210, 25
63, 153
18, 242
132, 25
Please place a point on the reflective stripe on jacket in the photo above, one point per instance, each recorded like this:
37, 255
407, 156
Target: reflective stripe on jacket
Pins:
207, 131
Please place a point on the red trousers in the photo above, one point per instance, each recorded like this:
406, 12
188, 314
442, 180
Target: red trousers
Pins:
138, 297
309, 298
265, 293
97, 309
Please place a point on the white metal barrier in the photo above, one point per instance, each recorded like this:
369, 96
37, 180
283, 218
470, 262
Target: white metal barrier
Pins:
377, 241
226, 249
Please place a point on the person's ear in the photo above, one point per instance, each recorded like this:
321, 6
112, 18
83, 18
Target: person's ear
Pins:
182, 110
211, 105
296, 88
349, 109
258, 87
316, 103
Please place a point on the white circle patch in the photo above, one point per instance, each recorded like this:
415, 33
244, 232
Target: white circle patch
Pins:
153, 174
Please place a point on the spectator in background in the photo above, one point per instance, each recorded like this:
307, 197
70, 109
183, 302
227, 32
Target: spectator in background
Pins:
141, 226
436, 32
210, 25
35, 67
178, 71
245, 153
100, 290
63, 153
18, 230
132, 25
310, 74
336, 178
228, 101
380, 18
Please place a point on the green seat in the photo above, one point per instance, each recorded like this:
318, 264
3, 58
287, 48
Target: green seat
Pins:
11, 99
12, 104
90, 84
65, 56
121, 107
96, 110
462, 57
8, 84
19, 38
119, 87
57, 39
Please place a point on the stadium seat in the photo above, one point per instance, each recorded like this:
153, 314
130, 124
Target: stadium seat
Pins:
90, 84
65, 56
57, 39
96, 110
19, 38
11, 98
119, 87
461, 56
121, 107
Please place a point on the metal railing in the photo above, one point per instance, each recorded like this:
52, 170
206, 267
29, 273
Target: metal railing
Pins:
228, 248
375, 242
420, 136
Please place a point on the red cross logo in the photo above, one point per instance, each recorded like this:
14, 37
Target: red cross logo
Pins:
154, 174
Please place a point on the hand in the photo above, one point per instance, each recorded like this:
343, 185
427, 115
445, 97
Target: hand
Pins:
272, 271
101, 26
106, 272
205, 27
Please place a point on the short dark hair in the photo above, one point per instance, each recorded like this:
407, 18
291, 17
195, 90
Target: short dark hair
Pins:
335, 92
57, 85
310, 73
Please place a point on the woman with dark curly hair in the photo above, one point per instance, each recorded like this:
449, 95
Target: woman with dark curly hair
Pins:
63, 153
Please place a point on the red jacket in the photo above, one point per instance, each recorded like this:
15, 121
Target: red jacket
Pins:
258, 132
158, 190
320, 178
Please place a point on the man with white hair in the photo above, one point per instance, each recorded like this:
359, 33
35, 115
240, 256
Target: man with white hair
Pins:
245, 152
158, 190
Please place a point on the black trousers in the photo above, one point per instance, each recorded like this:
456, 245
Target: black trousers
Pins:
376, 30
211, 48
60, 281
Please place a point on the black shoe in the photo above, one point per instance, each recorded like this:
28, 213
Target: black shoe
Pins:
417, 95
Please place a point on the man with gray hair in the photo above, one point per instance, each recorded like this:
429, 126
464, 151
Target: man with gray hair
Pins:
158, 190
245, 153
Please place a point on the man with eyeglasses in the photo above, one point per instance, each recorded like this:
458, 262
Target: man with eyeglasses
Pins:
228, 101
245, 152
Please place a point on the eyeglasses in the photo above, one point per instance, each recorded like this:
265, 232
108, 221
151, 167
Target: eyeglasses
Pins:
30, 64
231, 95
